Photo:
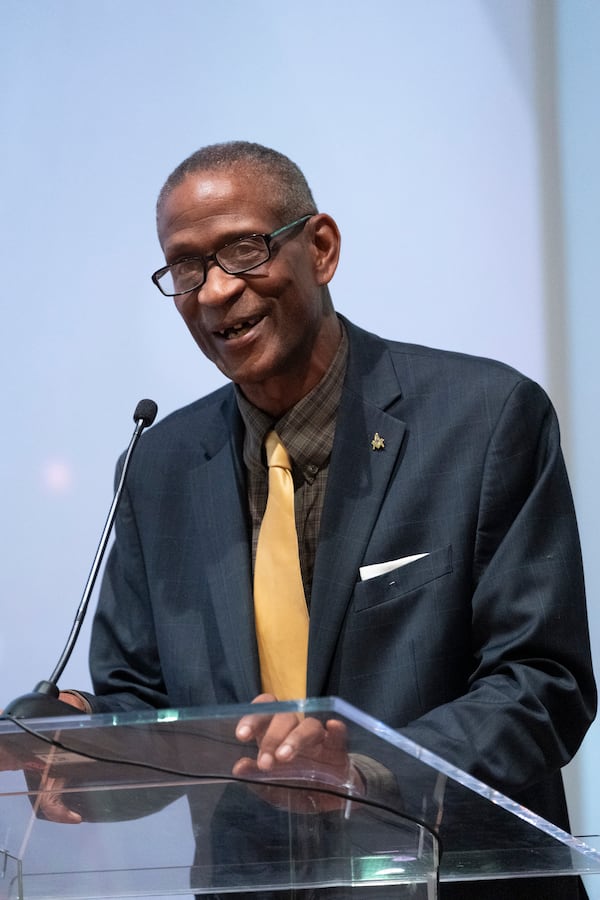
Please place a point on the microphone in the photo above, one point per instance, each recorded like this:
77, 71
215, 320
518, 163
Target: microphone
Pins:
43, 700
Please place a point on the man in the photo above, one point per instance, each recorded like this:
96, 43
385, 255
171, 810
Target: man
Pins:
442, 471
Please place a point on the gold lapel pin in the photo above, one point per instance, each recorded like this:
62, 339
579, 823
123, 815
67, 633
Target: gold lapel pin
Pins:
378, 442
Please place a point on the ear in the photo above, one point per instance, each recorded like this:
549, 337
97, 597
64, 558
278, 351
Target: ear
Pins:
325, 241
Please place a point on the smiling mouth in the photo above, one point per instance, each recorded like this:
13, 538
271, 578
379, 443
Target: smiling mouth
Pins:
238, 330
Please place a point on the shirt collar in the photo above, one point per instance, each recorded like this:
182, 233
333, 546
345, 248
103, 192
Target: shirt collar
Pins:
307, 429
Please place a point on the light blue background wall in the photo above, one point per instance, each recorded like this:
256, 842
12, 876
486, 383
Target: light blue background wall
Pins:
445, 137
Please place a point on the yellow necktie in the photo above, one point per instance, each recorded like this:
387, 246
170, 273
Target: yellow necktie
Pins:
280, 612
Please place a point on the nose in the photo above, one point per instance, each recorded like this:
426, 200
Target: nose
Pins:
219, 287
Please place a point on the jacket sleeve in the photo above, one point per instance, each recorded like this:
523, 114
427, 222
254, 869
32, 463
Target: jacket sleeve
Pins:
124, 657
531, 695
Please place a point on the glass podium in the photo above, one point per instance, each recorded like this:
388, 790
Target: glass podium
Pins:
171, 804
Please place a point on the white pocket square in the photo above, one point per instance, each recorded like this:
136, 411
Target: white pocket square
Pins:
376, 569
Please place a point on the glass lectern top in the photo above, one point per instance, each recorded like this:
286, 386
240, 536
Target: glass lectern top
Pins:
170, 802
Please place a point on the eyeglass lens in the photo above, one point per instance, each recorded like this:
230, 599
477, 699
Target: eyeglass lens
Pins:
240, 256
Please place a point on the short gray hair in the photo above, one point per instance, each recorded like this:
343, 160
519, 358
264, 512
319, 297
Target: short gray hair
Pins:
292, 196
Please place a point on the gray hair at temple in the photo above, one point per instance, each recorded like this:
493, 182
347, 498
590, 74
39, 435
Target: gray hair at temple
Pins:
291, 194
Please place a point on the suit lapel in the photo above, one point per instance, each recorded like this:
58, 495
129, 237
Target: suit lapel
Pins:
356, 485
218, 489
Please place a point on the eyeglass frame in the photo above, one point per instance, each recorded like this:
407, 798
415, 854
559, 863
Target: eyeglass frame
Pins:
213, 257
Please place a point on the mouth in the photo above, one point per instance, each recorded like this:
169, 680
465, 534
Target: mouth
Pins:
239, 329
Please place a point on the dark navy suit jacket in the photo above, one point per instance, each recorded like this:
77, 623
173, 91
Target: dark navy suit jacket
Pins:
479, 650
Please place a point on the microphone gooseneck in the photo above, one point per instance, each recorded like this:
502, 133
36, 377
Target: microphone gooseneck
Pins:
43, 701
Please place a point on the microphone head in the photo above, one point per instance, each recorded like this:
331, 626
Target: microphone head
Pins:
145, 412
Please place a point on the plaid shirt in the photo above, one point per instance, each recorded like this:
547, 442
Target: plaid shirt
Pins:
307, 432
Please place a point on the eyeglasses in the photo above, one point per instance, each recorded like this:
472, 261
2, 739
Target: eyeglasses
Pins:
240, 256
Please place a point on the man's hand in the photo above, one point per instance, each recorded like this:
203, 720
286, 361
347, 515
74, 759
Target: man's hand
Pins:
304, 751
48, 803
74, 699
9, 762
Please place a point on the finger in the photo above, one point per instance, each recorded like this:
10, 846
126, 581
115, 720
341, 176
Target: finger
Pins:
337, 736
252, 726
288, 736
53, 809
50, 803
245, 768
317, 750
270, 732
73, 700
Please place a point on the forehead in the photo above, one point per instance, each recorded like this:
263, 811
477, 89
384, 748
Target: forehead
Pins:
215, 205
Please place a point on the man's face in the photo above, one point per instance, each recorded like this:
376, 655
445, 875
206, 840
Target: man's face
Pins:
270, 329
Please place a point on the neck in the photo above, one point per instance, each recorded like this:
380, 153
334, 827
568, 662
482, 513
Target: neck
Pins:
281, 392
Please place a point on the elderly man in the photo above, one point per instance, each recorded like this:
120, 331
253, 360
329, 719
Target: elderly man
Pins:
439, 572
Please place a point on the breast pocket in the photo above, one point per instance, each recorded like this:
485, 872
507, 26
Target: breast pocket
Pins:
403, 580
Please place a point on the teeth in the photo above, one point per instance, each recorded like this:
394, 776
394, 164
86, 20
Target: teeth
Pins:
239, 329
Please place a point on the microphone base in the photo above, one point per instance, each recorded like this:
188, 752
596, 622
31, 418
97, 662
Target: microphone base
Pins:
41, 703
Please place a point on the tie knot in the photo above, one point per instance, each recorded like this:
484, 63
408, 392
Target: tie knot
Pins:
277, 455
